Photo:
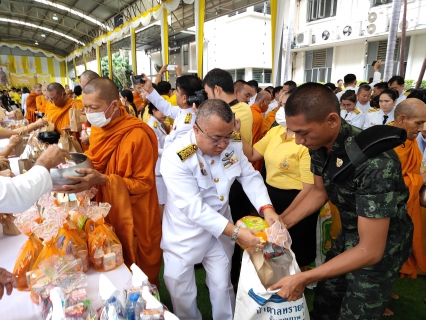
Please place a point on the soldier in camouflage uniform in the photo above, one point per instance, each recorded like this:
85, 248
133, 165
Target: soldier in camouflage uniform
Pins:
376, 230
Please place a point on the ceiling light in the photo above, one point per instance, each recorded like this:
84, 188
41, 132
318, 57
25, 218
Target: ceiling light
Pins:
36, 43
77, 13
55, 17
32, 25
43, 35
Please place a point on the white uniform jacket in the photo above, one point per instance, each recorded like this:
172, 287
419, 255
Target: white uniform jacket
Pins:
161, 134
376, 117
355, 117
363, 107
198, 195
17, 194
184, 118
401, 97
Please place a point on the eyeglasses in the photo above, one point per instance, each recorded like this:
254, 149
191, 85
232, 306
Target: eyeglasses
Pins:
214, 142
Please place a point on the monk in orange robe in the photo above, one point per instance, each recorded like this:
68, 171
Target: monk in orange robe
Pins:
411, 116
124, 151
41, 100
58, 110
260, 105
269, 121
31, 103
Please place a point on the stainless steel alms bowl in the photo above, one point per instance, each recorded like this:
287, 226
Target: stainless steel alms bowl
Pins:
59, 176
423, 196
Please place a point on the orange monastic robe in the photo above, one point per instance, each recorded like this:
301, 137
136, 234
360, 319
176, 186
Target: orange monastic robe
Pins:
31, 107
137, 100
411, 159
269, 121
60, 116
41, 103
257, 131
126, 150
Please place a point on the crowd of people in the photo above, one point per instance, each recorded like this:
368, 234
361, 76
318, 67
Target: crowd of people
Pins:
181, 165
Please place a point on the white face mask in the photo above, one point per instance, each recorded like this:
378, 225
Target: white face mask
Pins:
280, 117
98, 119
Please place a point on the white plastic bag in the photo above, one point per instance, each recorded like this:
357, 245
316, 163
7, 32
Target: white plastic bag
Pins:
255, 303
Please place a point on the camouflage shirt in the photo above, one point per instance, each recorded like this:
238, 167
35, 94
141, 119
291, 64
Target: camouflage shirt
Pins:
375, 189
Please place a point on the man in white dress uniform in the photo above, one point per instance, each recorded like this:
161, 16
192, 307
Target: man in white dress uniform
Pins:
184, 115
198, 170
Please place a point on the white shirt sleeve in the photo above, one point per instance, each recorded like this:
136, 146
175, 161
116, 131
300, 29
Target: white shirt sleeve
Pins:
17, 194
358, 121
376, 78
162, 105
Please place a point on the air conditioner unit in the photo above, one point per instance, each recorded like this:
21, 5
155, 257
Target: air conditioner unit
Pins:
304, 38
324, 36
411, 22
351, 31
378, 22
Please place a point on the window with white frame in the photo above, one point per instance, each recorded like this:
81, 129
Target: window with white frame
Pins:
320, 9
262, 75
375, 3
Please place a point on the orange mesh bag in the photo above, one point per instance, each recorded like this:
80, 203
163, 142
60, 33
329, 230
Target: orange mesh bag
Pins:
105, 250
30, 250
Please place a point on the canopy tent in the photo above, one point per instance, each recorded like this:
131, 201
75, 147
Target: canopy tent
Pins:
75, 28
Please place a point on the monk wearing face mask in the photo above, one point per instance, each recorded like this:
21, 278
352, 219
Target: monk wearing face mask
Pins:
124, 151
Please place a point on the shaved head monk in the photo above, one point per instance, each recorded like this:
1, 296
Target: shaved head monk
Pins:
41, 99
31, 103
124, 151
260, 105
86, 76
410, 115
58, 110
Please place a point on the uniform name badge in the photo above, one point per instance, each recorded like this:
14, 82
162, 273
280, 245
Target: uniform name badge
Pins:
229, 160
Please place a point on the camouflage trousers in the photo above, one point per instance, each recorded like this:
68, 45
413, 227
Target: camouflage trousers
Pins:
356, 295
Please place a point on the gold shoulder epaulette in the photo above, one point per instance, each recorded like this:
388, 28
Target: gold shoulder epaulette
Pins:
186, 152
374, 110
356, 111
155, 124
390, 123
236, 136
188, 118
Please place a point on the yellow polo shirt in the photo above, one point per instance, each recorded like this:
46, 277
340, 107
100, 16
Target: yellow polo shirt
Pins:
288, 165
17, 98
243, 112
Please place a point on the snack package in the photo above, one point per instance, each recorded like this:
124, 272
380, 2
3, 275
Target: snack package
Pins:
153, 309
55, 271
48, 231
138, 282
255, 223
279, 241
31, 249
105, 250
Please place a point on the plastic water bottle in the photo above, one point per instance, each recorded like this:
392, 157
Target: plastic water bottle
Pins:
133, 307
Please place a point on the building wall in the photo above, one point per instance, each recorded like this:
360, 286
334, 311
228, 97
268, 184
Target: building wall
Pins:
348, 59
350, 52
239, 42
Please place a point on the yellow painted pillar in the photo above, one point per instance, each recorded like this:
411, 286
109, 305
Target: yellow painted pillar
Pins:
98, 60
84, 61
274, 9
133, 41
199, 7
165, 40
75, 67
67, 78
109, 59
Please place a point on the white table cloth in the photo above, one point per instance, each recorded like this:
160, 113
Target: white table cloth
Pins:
19, 306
